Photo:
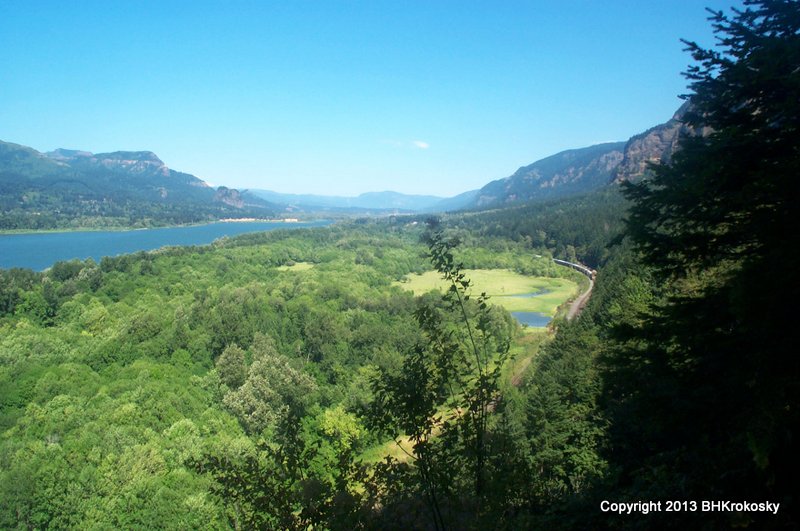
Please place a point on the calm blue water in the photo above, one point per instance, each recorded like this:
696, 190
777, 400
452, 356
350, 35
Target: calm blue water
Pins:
40, 251
534, 319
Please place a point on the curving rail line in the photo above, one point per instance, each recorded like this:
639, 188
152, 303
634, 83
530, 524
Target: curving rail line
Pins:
578, 304
591, 273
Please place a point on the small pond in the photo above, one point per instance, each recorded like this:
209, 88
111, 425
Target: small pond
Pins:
533, 319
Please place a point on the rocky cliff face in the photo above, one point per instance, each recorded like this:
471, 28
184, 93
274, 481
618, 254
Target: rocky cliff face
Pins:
129, 162
132, 162
656, 145
229, 196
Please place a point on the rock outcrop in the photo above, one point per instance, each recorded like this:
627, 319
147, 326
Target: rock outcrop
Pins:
654, 146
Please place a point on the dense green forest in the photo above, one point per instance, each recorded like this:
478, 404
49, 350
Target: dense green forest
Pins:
160, 389
285, 380
575, 229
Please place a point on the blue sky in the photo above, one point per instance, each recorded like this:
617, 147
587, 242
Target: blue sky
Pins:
343, 97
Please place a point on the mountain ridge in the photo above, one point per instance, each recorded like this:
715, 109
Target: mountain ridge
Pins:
565, 173
67, 187
581, 170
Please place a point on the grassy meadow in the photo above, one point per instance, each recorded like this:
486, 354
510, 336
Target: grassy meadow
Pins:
299, 267
505, 288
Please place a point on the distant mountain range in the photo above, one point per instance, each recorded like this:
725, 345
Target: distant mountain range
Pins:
64, 188
371, 201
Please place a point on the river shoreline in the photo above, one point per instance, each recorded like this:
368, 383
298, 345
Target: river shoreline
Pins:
288, 221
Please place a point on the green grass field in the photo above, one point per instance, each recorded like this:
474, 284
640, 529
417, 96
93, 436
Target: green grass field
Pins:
299, 266
502, 285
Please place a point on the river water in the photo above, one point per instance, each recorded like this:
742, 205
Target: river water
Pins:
39, 251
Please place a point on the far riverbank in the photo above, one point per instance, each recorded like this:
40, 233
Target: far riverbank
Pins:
126, 228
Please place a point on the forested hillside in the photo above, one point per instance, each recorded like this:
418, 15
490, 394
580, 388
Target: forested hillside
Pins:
560, 175
577, 228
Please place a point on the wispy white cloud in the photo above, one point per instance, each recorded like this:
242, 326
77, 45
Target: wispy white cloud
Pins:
406, 144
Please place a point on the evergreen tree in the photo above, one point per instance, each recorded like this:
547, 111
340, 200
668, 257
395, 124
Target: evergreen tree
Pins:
704, 394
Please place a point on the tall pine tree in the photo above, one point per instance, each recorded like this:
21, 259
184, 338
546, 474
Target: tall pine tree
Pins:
704, 394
